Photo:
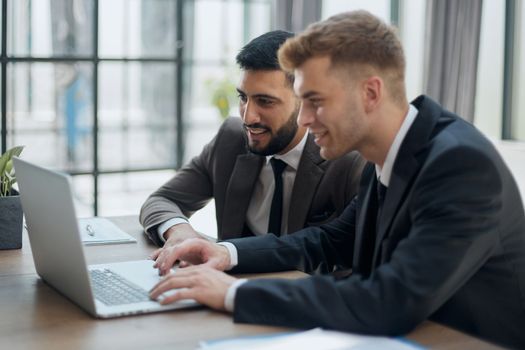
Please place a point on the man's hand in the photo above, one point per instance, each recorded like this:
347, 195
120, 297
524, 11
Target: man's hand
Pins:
176, 235
181, 232
193, 251
202, 283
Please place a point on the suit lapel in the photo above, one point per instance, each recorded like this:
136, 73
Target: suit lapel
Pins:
238, 194
406, 164
365, 227
307, 178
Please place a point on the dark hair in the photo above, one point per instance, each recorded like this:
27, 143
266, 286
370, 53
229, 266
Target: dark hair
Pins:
261, 53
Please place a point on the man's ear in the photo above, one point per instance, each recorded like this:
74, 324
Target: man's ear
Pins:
372, 93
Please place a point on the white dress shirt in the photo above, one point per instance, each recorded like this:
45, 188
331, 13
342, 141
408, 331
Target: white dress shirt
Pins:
161, 230
258, 213
383, 175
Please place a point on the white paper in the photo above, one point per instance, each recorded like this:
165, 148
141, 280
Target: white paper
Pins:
317, 339
98, 230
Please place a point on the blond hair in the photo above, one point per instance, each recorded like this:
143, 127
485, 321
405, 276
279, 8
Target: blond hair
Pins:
351, 39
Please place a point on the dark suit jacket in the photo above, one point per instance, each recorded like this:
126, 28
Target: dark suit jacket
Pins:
451, 247
226, 171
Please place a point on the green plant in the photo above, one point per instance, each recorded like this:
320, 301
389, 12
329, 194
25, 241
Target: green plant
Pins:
7, 173
223, 95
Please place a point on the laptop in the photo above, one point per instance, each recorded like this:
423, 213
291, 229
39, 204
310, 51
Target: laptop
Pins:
105, 290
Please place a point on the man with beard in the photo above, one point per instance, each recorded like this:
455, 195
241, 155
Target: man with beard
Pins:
264, 171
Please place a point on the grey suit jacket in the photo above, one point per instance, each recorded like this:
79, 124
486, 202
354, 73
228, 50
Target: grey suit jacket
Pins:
450, 246
226, 171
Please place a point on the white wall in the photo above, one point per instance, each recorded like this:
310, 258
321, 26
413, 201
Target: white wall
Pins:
514, 155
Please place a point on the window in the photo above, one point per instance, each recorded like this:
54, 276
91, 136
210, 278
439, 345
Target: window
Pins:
500, 106
118, 93
218, 30
489, 86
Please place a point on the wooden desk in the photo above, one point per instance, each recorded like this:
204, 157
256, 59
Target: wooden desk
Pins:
35, 316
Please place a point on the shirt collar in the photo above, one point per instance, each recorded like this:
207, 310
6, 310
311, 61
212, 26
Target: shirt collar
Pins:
383, 174
293, 156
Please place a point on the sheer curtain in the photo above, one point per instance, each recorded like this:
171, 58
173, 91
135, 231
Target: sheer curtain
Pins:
295, 15
451, 56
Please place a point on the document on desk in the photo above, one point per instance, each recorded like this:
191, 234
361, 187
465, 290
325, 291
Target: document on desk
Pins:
96, 231
317, 339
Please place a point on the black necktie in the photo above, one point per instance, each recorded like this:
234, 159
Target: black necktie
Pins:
381, 193
276, 211
369, 240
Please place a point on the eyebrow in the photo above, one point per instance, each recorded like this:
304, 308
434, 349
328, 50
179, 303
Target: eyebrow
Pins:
309, 94
259, 95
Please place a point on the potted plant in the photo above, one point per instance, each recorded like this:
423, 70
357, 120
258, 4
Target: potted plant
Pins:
10, 206
223, 95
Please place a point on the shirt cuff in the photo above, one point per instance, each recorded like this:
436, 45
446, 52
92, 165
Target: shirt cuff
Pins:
232, 250
161, 230
229, 299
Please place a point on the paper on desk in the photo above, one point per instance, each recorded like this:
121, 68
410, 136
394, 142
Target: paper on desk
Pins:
317, 339
97, 230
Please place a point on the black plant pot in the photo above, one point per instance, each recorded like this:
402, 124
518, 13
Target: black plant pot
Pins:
11, 222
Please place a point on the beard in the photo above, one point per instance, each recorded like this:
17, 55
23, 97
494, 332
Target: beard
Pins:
280, 139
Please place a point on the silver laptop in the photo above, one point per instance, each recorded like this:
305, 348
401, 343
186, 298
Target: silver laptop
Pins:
107, 290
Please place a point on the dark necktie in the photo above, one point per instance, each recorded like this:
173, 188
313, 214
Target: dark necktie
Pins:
276, 211
369, 241
381, 193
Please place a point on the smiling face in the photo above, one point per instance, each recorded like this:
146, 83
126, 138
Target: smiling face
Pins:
269, 108
332, 107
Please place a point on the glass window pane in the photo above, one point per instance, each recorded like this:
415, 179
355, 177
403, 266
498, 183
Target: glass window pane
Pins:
489, 85
412, 32
124, 194
380, 8
50, 28
196, 136
259, 19
518, 113
137, 122
83, 195
208, 81
50, 110
136, 28
217, 30
203, 117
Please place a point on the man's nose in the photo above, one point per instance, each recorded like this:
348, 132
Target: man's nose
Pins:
249, 113
306, 116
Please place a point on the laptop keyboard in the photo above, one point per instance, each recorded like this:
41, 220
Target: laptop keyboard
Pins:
112, 289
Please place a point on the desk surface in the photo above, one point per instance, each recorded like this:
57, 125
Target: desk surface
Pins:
33, 315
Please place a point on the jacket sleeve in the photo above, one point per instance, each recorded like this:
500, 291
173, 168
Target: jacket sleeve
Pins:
185, 193
304, 250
